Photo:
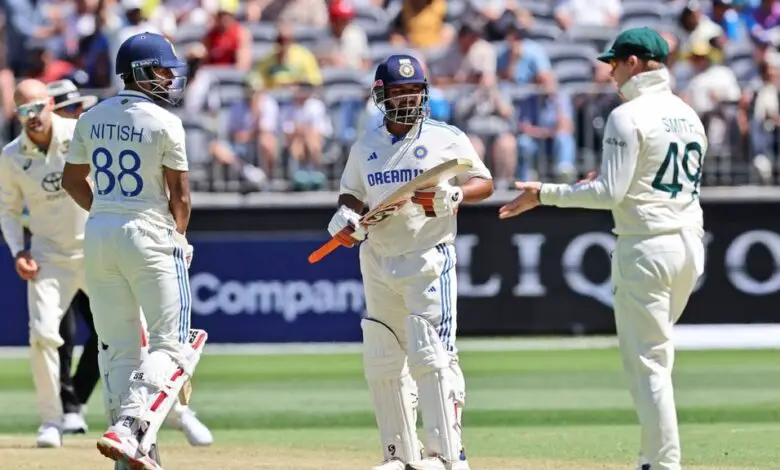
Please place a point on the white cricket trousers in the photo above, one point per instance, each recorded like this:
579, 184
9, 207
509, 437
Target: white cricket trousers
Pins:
129, 264
653, 278
48, 297
421, 283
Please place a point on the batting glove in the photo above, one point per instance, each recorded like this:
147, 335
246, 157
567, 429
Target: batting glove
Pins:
439, 202
188, 252
345, 227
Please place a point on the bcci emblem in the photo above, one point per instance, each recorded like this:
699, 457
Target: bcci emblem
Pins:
420, 151
406, 70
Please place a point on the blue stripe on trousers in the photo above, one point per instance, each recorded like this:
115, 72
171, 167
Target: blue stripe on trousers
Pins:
445, 289
184, 298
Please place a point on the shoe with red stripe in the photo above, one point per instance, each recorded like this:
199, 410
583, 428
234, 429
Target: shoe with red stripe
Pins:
119, 445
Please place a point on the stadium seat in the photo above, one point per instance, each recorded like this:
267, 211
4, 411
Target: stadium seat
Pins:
540, 10
262, 31
647, 12
564, 51
372, 15
543, 32
455, 10
343, 75
188, 34
375, 32
229, 94
223, 75
573, 73
261, 49
381, 50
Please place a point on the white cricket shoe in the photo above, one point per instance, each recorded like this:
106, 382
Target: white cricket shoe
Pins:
74, 423
120, 445
436, 463
183, 418
391, 464
49, 436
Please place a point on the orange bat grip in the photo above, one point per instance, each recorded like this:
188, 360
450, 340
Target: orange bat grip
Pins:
324, 250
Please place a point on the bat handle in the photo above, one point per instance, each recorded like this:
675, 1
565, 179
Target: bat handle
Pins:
324, 250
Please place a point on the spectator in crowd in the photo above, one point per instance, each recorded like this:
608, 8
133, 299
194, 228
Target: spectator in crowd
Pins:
546, 127
43, 65
592, 108
94, 55
483, 114
248, 139
711, 84
288, 63
68, 100
135, 22
726, 16
227, 43
306, 126
699, 28
468, 60
421, 24
348, 45
303, 13
763, 22
523, 61
498, 15
27, 22
594, 13
759, 119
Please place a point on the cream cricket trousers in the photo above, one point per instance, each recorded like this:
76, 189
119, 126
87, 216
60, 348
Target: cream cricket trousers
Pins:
48, 297
129, 264
420, 283
653, 278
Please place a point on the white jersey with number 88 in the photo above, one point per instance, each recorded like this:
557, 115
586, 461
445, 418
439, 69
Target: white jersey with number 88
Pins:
126, 140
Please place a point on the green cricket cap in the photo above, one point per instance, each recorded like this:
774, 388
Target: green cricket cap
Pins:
644, 43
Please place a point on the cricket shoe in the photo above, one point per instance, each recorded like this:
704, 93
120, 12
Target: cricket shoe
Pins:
183, 418
49, 436
437, 463
390, 464
645, 467
120, 445
74, 423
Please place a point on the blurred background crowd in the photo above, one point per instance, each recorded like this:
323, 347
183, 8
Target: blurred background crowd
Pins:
279, 89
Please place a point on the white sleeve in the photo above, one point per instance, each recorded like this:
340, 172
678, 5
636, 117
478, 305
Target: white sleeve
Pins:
620, 152
175, 152
77, 155
463, 148
352, 178
11, 207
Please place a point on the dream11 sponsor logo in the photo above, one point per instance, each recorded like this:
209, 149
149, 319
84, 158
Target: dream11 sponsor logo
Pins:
289, 298
529, 256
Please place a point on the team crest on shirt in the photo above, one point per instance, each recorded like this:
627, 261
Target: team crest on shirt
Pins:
405, 69
65, 146
27, 164
420, 151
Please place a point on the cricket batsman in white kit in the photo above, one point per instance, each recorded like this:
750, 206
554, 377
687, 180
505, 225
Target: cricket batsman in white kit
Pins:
654, 145
30, 173
135, 247
408, 267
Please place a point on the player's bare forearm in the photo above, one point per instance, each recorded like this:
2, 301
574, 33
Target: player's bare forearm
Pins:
75, 183
352, 202
180, 202
477, 189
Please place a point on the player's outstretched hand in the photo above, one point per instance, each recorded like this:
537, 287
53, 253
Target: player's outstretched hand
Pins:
26, 266
592, 175
345, 227
439, 201
527, 200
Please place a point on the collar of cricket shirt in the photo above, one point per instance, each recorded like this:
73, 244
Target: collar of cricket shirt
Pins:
646, 82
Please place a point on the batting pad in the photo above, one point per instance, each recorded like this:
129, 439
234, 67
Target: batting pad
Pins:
392, 391
429, 363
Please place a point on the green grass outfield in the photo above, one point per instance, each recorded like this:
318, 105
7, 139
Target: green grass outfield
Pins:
541, 405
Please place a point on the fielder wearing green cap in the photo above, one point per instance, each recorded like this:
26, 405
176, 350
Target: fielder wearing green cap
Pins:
653, 149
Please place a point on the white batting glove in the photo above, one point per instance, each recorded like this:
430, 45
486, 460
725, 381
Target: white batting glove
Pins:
345, 227
188, 252
440, 201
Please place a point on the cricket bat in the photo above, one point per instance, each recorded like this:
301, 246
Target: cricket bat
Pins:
399, 197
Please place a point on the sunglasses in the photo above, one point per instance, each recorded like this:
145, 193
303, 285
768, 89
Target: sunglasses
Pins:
29, 109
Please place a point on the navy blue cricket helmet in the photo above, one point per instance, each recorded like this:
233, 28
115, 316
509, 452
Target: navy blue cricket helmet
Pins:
400, 103
141, 55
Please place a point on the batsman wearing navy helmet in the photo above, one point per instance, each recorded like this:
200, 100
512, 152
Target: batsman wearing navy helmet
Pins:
408, 268
136, 254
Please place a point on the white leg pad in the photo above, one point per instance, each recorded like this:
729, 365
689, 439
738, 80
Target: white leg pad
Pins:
115, 373
430, 366
156, 387
393, 391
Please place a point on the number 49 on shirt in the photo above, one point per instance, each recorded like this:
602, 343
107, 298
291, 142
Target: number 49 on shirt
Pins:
106, 178
672, 165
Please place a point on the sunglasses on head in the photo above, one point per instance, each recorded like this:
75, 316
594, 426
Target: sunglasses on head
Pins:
28, 109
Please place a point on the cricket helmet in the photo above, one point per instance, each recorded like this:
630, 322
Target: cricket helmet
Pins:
141, 56
400, 103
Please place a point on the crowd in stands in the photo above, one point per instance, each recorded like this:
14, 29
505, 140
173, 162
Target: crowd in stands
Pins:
278, 89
